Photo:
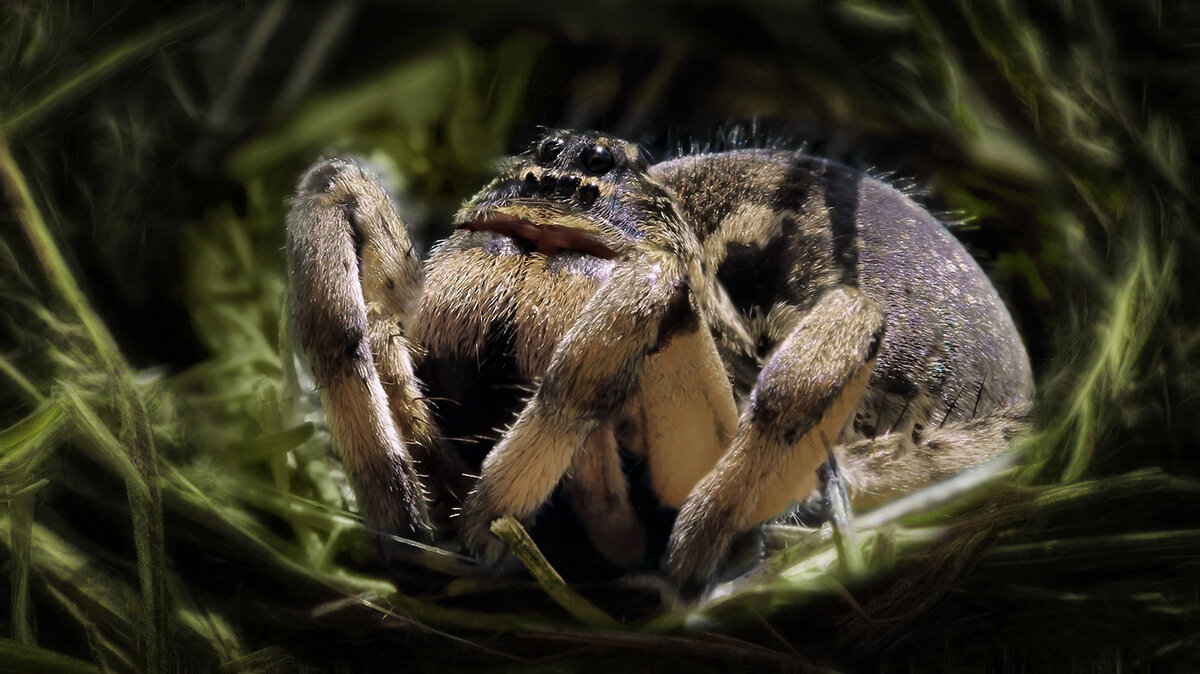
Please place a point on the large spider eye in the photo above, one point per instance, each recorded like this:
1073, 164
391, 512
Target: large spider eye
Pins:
549, 150
596, 160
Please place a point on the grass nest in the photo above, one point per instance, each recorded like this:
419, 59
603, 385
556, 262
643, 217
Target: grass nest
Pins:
169, 501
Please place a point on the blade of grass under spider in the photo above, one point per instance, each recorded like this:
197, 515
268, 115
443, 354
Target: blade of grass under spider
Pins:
802, 571
325, 518
524, 549
947, 493
803, 576
712, 645
797, 574
143, 492
790, 579
239, 527
425, 613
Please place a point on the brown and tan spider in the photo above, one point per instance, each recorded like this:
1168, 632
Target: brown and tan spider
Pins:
727, 317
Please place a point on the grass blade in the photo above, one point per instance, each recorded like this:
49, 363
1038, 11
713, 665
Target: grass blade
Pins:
21, 657
522, 546
144, 500
106, 65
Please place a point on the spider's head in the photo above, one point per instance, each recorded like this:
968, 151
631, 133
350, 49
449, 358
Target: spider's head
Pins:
585, 192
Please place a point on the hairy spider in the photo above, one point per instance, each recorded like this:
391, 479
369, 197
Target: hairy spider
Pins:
727, 317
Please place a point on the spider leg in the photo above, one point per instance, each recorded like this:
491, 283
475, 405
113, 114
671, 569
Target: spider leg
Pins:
681, 417
600, 496
354, 282
877, 469
590, 375
688, 414
796, 411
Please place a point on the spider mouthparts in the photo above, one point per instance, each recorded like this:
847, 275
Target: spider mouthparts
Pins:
549, 239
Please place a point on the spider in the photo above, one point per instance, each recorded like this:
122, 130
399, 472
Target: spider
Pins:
730, 318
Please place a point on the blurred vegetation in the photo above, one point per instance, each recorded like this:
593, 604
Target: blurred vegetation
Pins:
168, 499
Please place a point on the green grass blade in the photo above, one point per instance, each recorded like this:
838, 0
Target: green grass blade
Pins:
20, 657
522, 546
145, 502
24, 444
105, 66
9, 370
20, 540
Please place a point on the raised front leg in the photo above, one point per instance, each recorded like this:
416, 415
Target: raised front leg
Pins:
797, 409
592, 370
354, 282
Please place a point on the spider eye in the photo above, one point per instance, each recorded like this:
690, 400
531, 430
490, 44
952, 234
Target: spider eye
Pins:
596, 160
549, 150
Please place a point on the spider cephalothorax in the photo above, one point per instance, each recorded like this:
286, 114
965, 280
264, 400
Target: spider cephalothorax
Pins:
576, 192
728, 317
